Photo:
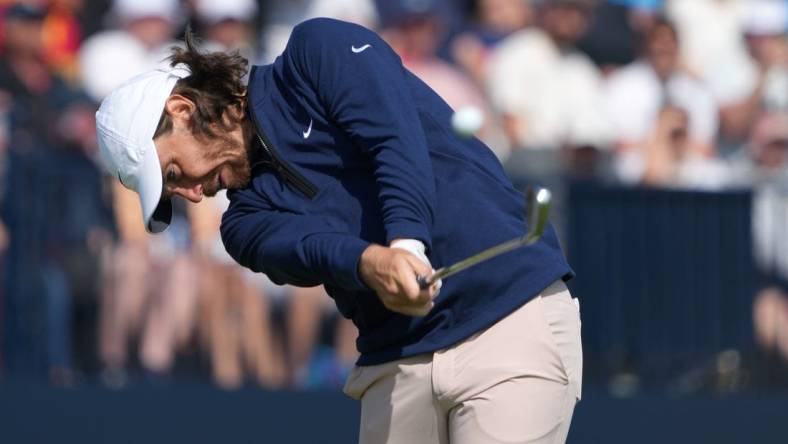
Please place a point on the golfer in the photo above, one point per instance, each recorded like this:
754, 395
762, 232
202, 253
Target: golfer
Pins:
343, 170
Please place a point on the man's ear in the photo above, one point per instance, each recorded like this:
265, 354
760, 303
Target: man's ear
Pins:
180, 109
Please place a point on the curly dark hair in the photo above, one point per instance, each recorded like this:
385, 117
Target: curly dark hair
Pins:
215, 85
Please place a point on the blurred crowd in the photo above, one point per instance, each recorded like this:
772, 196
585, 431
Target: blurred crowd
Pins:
679, 94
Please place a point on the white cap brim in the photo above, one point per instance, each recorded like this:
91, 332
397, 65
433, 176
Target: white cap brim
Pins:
155, 212
126, 123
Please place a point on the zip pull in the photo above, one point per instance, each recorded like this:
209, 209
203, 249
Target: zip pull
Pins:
287, 173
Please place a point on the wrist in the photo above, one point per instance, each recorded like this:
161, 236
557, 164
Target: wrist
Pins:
366, 264
414, 246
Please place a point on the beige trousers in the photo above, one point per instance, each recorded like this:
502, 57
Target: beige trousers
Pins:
516, 382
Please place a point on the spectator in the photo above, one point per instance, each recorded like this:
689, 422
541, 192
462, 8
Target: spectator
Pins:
611, 40
770, 319
151, 295
762, 164
710, 34
665, 158
144, 299
451, 13
235, 317
282, 15
415, 31
309, 366
141, 42
171, 302
363, 12
229, 26
91, 15
762, 84
122, 304
279, 18
763, 159
63, 36
492, 22
638, 93
52, 268
547, 91
25, 77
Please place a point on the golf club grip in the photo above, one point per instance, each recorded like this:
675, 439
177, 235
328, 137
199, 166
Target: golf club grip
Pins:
426, 281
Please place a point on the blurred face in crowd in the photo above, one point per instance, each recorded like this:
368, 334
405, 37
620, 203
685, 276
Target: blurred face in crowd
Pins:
566, 23
505, 16
24, 37
773, 153
662, 50
769, 140
417, 37
151, 31
232, 34
197, 165
768, 50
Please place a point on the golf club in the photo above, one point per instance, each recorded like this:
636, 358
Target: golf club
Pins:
536, 215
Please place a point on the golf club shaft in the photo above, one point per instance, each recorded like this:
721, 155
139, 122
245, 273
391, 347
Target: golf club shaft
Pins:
536, 216
475, 259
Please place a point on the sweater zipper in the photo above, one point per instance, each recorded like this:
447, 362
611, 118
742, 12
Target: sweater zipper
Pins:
286, 172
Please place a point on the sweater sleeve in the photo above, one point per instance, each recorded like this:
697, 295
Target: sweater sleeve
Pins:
363, 85
290, 248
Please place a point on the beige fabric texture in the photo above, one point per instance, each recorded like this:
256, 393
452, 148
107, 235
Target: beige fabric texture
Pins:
516, 382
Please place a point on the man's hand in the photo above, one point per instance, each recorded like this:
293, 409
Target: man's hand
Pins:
392, 273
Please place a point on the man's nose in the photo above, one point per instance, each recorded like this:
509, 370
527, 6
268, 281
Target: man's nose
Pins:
193, 194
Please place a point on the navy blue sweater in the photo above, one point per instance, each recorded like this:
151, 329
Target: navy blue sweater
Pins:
360, 151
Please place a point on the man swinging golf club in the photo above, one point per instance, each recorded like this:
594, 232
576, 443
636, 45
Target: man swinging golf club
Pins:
343, 170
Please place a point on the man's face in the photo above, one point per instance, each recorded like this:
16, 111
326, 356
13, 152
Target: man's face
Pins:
195, 166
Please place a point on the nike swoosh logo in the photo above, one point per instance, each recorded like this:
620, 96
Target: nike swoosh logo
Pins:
309, 130
362, 49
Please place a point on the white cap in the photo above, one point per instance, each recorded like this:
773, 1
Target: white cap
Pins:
127, 10
766, 17
126, 123
213, 11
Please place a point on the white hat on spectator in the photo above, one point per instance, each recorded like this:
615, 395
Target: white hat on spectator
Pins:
128, 10
215, 11
126, 123
766, 17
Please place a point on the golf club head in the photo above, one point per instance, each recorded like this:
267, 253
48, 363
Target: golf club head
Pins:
537, 212
530, 207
